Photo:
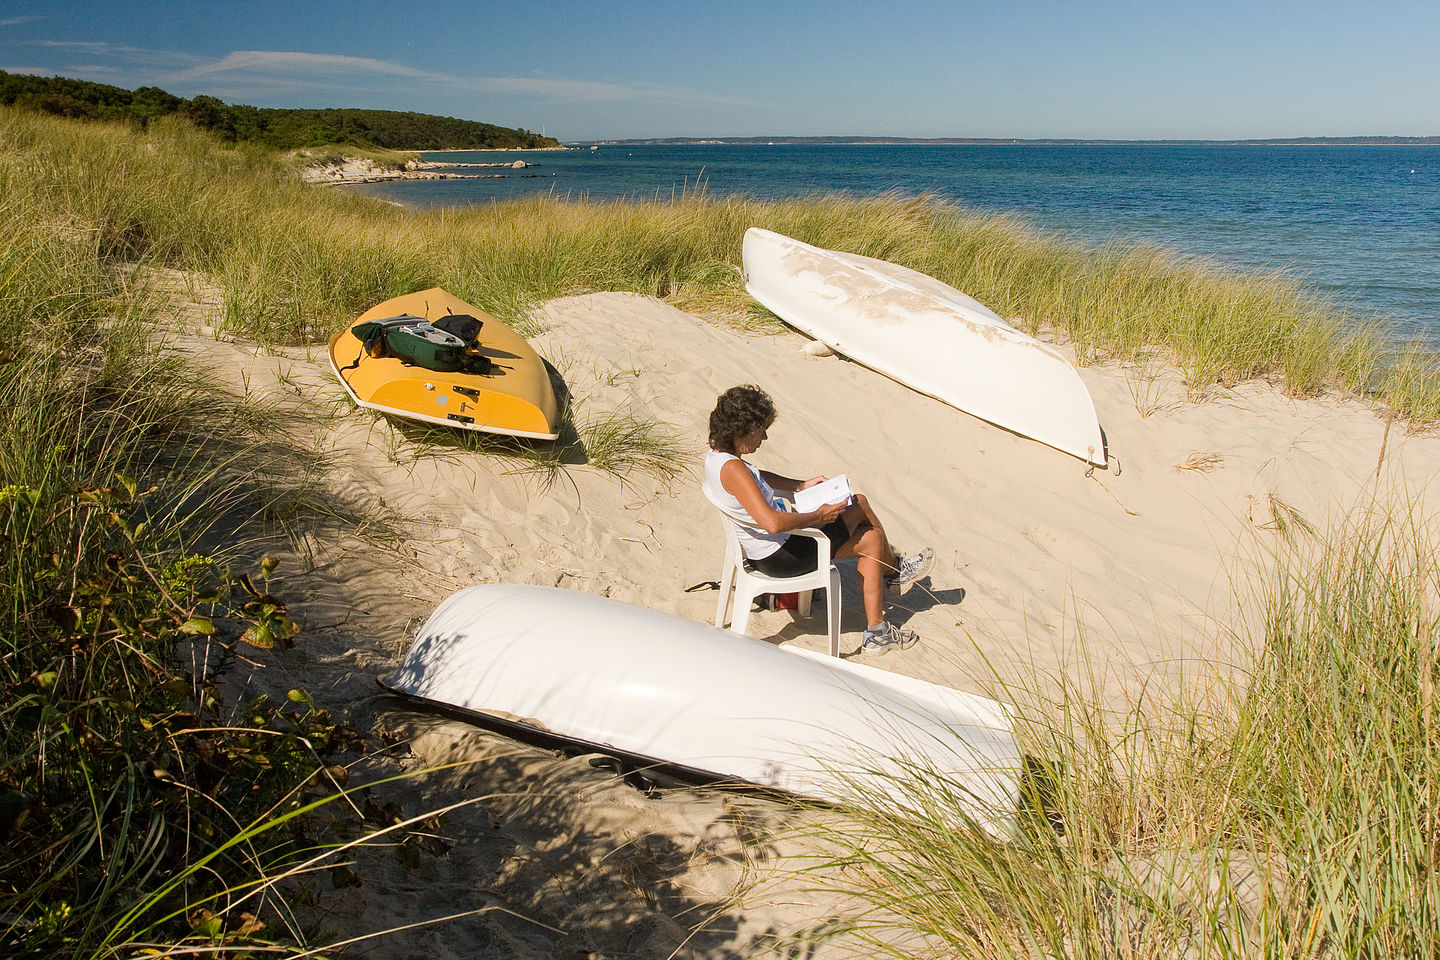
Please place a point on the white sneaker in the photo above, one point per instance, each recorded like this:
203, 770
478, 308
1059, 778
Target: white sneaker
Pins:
888, 637
911, 568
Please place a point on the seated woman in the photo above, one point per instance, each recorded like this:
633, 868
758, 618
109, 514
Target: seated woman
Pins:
737, 428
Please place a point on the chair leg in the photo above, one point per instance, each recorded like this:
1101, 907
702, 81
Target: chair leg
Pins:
832, 611
740, 612
726, 582
803, 602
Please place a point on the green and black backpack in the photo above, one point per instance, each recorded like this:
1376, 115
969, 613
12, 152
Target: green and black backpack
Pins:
449, 345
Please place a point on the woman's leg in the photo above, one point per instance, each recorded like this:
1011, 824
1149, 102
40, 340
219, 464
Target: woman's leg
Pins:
875, 558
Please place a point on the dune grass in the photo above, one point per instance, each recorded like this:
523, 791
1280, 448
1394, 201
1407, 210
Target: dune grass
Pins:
298, 263
130, 794
1291, 816
116, 467
616, 442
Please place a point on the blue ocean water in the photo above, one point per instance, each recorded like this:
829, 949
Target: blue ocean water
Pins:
1359, 224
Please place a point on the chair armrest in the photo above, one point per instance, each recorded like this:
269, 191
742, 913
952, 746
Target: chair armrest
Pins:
822, 544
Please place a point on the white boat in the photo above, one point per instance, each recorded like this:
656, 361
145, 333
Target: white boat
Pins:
926, 335
693, 699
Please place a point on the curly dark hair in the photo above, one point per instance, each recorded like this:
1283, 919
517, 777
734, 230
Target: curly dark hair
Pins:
740, 410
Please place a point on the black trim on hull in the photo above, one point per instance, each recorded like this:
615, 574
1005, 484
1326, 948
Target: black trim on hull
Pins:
635, 763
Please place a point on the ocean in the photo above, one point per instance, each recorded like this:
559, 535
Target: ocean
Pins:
1357, 224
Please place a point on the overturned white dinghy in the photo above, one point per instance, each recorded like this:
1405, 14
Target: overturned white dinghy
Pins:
926, 335
698, 700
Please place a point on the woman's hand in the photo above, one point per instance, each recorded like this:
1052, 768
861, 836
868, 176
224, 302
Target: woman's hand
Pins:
739, 483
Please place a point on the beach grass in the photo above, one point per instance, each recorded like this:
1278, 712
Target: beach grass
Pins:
131, 795
615, 442
127, 482
297, 263
1289, 814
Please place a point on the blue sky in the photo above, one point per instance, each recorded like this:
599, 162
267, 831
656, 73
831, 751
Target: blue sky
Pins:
1129, 69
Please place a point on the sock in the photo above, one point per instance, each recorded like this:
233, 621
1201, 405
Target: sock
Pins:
880, 627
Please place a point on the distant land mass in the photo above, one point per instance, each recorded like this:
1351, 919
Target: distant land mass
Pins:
945, 141
279, 128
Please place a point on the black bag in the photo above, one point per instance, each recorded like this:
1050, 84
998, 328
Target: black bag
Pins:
415, 340
462, 325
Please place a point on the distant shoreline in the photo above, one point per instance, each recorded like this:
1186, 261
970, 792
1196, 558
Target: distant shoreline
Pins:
992, 141
482, 149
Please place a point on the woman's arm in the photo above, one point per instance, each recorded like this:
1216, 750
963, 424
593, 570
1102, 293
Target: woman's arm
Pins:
741, 485
788, 484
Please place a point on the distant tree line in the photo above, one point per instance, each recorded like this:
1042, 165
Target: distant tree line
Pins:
282, 129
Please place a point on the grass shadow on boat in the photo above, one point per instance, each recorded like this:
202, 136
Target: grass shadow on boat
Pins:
646, 774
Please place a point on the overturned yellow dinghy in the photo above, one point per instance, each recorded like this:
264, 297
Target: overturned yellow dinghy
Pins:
431, 356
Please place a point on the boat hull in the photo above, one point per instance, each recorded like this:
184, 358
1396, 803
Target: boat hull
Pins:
514, 398
926, 335
685, 695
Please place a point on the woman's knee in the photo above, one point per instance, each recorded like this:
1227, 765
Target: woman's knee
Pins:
863, 506
871, 543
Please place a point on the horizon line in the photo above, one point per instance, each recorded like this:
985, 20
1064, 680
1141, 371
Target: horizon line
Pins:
783, 139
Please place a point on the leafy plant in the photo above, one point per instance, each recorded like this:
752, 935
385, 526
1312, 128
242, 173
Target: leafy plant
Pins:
110, 699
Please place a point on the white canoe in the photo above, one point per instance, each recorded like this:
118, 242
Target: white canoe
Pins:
684, 695
926, 335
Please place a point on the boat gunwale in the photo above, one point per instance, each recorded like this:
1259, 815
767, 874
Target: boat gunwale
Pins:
1011, 333
427, 418
508, 341
535, 734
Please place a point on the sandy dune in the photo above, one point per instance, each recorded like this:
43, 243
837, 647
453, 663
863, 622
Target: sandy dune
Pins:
1042, 571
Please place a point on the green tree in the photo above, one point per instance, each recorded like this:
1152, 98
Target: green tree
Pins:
211, 114
147, 103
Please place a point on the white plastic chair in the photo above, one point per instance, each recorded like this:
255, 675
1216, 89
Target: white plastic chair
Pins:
749, 584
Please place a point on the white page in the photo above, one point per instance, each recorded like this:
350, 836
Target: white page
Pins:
834, 490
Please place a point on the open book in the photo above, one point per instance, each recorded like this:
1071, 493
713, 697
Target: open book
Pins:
834, 490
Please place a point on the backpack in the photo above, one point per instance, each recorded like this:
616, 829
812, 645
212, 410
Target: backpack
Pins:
448, 345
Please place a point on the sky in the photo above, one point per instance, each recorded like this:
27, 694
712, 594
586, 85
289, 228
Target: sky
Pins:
610, 69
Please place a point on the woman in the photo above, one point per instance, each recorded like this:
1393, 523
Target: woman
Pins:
737, 428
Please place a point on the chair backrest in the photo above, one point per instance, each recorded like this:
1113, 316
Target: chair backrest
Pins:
734, 552
740, 517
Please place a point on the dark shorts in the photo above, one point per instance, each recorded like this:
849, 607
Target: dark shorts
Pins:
797, 554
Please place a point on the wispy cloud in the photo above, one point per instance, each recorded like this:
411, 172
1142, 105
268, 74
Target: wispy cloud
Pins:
281, 64
76, 45
288, 62
140, 56
17, 21
252, 73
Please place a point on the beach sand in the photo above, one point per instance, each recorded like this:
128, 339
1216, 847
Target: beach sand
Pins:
1045, 573
349, 170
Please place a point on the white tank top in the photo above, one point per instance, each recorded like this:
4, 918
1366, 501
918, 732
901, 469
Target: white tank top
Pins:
754, 541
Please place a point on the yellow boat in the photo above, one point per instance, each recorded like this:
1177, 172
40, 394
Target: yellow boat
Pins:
431, 356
